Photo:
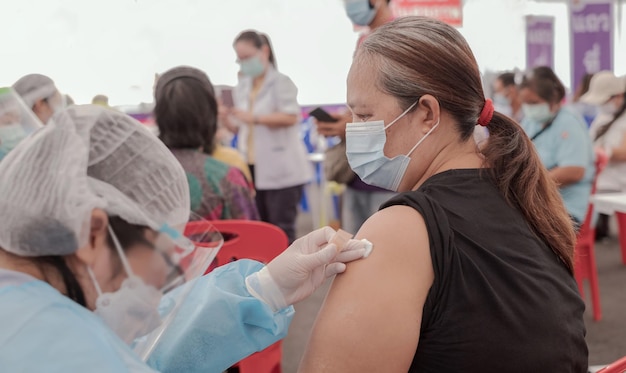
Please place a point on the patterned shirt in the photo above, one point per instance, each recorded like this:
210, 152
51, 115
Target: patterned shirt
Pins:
217, 191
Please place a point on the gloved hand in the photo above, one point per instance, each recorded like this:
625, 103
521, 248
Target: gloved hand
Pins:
302, 268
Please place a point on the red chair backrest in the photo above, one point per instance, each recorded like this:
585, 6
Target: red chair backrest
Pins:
246, 239
618, 366
602, 159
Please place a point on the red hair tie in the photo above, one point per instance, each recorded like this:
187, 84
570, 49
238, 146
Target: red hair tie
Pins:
486, 114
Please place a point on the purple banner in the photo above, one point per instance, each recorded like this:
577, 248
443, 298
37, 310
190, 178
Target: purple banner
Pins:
539, 41
591, 28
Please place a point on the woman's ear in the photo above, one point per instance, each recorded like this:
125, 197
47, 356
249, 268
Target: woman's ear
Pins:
429, 112
97, 239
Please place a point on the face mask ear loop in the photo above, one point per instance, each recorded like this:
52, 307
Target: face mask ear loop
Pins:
95, 282
423, 138
120, 252
401, 115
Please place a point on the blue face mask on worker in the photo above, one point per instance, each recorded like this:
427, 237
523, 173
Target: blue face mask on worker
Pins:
360, 12
10, 136
132, 311
502, 104
538, 112
252, 66
365, 143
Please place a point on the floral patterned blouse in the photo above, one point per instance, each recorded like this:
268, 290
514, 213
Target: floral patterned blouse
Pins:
217, 191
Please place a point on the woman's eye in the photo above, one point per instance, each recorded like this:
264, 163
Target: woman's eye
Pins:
363, 117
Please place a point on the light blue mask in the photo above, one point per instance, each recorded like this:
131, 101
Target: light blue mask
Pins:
10, 136
502, 104
252, 67
360, 12
538, 112
365, 143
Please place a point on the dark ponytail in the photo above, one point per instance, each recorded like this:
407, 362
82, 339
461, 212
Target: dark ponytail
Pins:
59, 265
526, 185
268, 42
417, 56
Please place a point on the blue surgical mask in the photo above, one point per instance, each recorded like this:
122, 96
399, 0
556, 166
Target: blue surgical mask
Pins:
365, 143
502, 104
360, 12
10, 136
252, 67
538, 112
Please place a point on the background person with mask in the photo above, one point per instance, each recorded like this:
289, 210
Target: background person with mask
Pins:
40, 94
105, 234
560, 137
474, 257
186, 115
360, 199
608, 131
506, 96
267, 115
16, 121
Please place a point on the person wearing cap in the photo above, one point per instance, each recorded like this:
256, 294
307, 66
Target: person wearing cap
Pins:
608, 132
40, 94
16, 121
94, 209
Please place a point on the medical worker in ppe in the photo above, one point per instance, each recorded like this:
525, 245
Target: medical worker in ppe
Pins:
41, 95
93, 210
16, 121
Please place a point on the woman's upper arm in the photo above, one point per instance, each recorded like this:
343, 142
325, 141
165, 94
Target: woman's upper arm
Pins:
287, 96
371, 318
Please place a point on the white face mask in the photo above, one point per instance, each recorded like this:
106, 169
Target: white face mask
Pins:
131, 311
538, 112
365, 143
502, 104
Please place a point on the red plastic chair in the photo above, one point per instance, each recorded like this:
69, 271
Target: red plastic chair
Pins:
618, 366
246, 239
585, 258
621, 226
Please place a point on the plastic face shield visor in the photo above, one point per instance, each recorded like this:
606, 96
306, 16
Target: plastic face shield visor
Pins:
17, 121
186, 255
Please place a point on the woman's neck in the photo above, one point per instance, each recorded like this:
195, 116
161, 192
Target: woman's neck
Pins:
258, 81
12, 262
454, 156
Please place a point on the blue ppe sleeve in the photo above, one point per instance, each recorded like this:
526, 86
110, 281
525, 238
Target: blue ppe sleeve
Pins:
44, 331
219, 324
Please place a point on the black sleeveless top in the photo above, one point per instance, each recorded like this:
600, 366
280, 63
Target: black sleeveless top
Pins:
501, 300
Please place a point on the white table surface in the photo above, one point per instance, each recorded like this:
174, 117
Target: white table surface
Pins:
609, 203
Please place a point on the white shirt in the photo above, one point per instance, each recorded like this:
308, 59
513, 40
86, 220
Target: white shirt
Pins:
613, 178
280, 154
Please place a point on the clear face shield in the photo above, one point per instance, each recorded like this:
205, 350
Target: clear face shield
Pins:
17, 121
186, 254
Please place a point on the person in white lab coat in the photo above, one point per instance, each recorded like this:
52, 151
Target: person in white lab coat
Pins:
267, 115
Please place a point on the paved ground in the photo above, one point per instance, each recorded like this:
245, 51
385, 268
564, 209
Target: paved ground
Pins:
606, 339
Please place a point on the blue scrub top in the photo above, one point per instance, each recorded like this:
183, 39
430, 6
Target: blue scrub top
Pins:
567, 143
219, 323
